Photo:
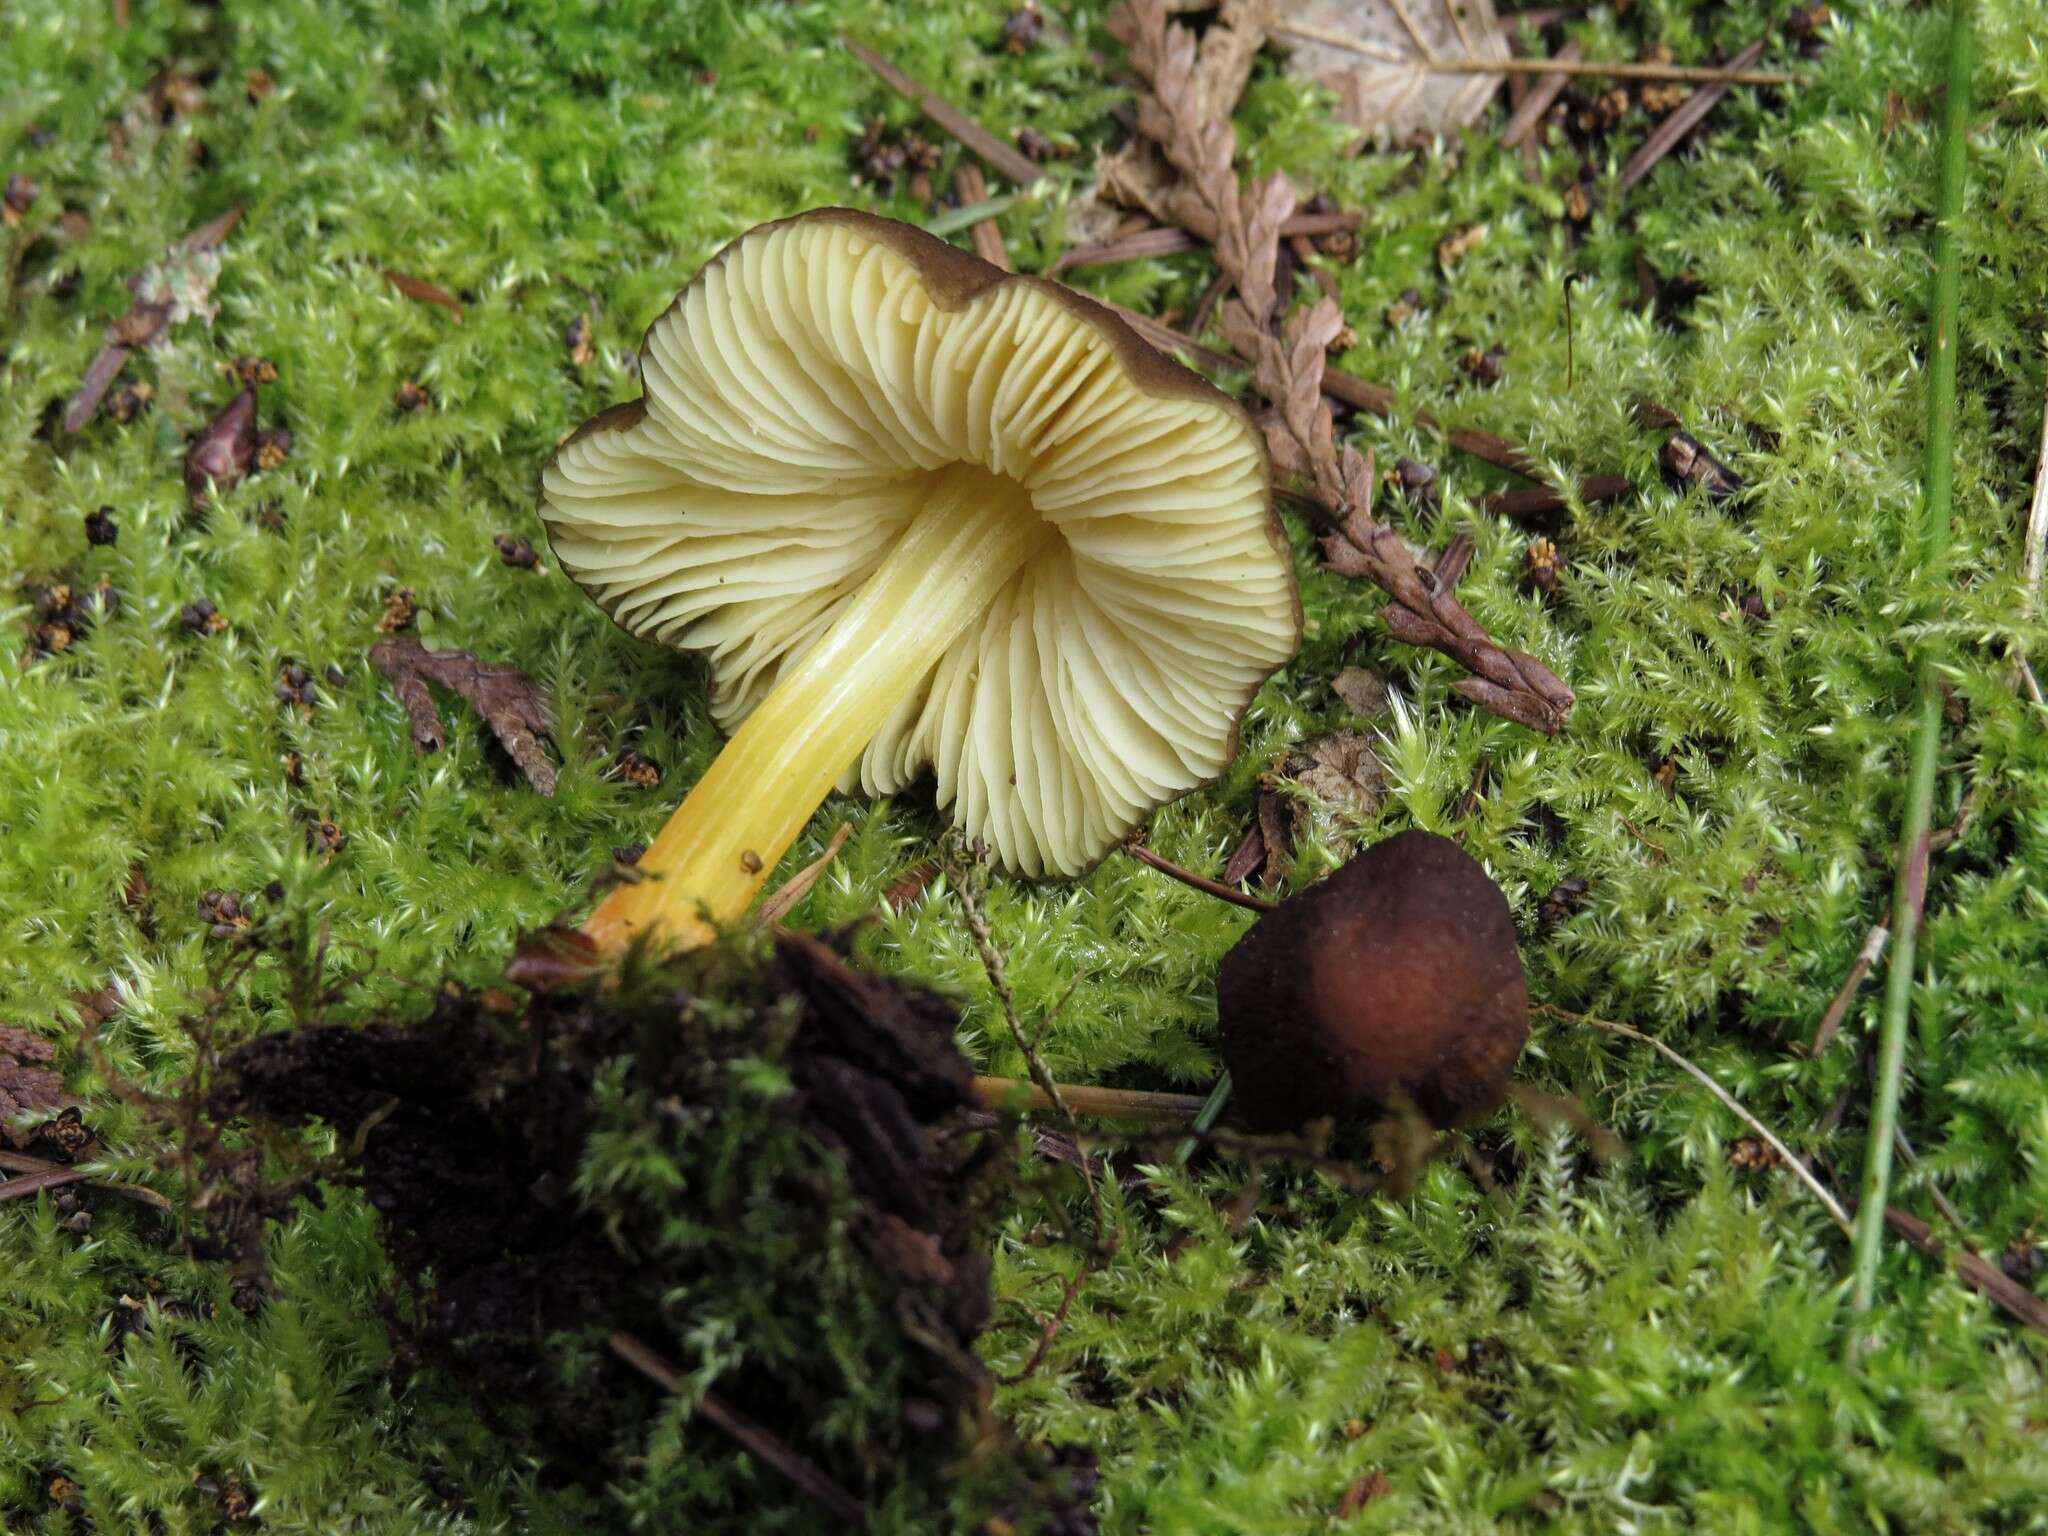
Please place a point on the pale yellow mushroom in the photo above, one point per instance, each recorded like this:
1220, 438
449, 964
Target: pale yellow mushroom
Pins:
921, 515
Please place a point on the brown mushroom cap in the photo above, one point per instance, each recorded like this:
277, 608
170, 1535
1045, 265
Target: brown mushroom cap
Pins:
1395, 980
802, 394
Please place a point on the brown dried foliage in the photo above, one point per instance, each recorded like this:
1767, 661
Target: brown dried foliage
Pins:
1243, 223
511, 703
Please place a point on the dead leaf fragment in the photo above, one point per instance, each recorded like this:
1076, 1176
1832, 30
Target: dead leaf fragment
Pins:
1341, 769
1372, 1486
426, 292
224, 449
1384, 84
25, 1086
1363, 691
510, 702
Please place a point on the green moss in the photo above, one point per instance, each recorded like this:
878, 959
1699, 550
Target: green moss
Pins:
1672, 1330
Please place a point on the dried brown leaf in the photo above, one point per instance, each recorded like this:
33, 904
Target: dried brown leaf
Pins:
1384, 85
1249, 856
1228, 51
25, 1086
1341, 769
220, 455
1363, 691
426, 292
510, 702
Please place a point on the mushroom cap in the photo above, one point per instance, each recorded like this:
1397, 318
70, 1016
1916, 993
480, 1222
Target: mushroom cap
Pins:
1397, 977
802, 390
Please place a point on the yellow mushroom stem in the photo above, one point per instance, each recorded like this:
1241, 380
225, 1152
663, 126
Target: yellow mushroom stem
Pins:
973, 533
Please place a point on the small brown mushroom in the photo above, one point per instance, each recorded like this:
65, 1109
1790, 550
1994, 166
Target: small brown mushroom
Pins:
1394, 982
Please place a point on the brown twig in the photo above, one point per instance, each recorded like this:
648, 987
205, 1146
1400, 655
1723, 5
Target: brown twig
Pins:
19, 1162
1986, 1279
1543, 94
1799, 1169
1670, 133
1085, 1099
1838, 1010
1451, 565
962, 874
1150, 244
1188, 877
757, 1440
988, 238
1542, 500
798, 886
1289, 371
1735, 72
1011, 164
1049, 1327
1949, 1213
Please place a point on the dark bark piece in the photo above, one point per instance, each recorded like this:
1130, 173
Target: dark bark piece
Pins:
1539, 501
106, 367
1689, 462
26, 1085
1246, 861
427, 293
510, 702
224, 449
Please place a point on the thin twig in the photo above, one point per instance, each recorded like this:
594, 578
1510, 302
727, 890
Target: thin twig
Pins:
1542, 96
1735, 73
1011, 164
1049, 1328
798, 886
1670, 133
1941, 1202
1985, 1278
988, 238
141, 1194
992, 961
1085, 1099
1838, 1010
757, 1440
2036, 558
1910, 895
1188, 877
1150, 244
1791, 1160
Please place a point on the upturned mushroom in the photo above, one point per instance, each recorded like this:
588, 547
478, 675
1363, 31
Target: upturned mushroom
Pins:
918, 513
1393, 983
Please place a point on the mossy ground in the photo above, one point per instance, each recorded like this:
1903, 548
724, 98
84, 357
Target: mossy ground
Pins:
1655, 1346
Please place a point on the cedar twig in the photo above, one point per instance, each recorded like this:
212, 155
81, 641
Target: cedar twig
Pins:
1542, 500
1670, 133
988, 238
1838, 1010
1735, 72
1804, 1174
142, 1194
1910, 894
1011, 164
1188, 877
1289, 372
757, 1440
